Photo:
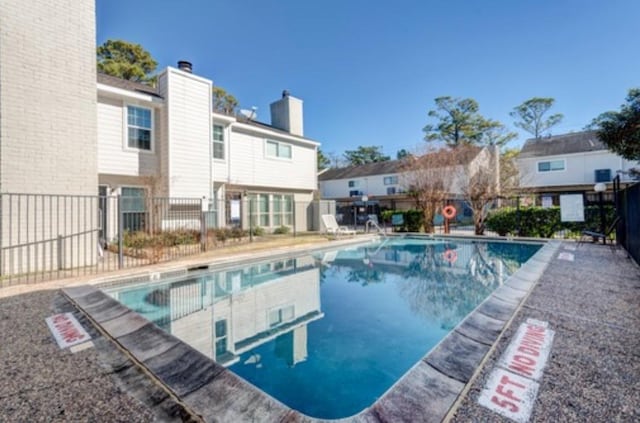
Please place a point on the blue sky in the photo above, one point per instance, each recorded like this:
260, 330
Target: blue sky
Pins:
368, 71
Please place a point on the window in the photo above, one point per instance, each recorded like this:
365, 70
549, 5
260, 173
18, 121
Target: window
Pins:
551, 166
218, 142
259, 209
139, 127
390, 180
355, 193
391, 190
281, 315
278, 149
603, 175
221, 337
133, 208
282, 210
354, 184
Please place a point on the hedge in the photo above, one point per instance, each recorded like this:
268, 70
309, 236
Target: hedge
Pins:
543, 222
413, 219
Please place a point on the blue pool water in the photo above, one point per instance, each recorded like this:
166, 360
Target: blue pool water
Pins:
327, 334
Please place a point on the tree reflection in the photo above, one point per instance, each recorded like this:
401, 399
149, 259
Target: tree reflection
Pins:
441, 281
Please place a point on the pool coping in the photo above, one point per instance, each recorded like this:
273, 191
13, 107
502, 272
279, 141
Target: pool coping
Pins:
431, 388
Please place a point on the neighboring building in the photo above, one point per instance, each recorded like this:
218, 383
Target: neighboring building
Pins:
384, 184
168, 142
569, 163
381, 182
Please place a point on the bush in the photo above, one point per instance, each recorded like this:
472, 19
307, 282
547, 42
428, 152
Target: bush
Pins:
222, 234
257, 231
238, 233
543, 222
413, 219
282, 230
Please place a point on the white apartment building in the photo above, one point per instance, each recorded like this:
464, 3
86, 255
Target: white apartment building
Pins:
68, 134
385, 184
572, 162
168, 142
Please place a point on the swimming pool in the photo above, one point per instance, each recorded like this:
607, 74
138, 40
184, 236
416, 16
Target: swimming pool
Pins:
327, 334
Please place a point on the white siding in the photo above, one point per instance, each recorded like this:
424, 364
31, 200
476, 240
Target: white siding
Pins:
371, 185
189, 132
113, 156
250, 166
579, 169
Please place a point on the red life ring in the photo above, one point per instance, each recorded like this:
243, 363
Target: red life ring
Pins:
450, 255
449, 212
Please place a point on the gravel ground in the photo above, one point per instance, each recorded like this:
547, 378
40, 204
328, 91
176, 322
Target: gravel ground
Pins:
593, 372
40, 382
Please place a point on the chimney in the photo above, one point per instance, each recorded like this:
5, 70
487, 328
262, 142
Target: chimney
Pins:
286, 114
183, 65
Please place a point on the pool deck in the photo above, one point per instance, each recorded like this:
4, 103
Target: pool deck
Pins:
593, 374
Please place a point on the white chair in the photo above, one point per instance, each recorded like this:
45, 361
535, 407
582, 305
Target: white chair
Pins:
333, 228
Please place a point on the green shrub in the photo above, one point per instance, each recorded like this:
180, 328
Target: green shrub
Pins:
543, 222
257, 231
413, 219
137, 240
282, 230
222, 234
238, 233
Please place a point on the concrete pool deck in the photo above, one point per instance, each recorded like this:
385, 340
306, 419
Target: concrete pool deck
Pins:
591, 303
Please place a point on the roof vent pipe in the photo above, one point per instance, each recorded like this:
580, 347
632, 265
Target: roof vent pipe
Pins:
183, 65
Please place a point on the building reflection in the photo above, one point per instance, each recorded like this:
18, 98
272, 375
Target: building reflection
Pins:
228, 313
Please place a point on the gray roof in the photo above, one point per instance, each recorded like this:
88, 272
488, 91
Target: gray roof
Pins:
379, 168
384, 168
577, 142
127, 85
242, 119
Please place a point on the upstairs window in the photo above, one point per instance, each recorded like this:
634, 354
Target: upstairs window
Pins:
278, 149
139, 128
551, 166
353, 184
218, 142
390, 180
391, 190
603, 175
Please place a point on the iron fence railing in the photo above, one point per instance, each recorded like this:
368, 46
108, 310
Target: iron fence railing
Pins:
628, 209
55, 236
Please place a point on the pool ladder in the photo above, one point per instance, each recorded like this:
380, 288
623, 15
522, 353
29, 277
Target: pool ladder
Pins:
373, 223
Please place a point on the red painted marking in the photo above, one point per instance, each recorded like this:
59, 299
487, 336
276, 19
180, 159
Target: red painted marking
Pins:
505, 404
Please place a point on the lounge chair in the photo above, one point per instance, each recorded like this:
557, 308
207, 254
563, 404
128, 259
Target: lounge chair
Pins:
597, 236
333, 228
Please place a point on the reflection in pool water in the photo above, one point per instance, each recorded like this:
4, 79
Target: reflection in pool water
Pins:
328, 334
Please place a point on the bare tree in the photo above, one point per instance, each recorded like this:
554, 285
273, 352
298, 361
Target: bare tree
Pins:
428, 180
481, 187
480, 183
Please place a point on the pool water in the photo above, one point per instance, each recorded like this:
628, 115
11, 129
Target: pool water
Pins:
328, 334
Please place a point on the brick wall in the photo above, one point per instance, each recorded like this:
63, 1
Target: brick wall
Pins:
48, 97
48, 134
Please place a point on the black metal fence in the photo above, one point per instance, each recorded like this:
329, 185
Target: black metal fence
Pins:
628, 208
598, 213
46, 237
